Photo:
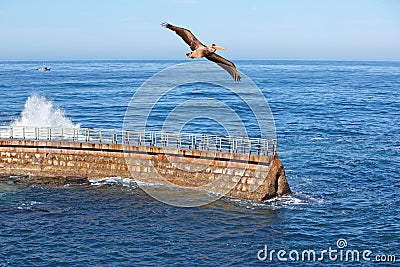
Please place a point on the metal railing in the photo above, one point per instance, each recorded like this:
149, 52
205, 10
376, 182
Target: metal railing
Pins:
241, 145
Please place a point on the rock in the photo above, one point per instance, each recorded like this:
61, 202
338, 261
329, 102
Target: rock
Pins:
76, 180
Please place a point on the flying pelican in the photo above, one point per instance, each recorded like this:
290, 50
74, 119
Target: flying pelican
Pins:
199, 50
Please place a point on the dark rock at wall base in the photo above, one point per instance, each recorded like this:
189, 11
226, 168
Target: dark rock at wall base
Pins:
76, 180
44, 180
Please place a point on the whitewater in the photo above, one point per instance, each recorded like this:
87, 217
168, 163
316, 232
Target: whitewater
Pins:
41, 112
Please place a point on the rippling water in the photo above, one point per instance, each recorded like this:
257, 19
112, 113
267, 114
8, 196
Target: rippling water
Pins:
338, 129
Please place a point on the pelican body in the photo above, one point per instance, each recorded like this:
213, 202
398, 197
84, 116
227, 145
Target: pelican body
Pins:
199, 50
204, 51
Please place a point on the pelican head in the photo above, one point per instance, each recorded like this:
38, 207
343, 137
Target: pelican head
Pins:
216, 47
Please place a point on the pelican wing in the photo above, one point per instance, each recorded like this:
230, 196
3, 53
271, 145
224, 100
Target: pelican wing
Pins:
186, 35
225, 64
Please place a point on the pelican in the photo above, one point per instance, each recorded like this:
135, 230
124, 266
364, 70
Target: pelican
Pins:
199, 50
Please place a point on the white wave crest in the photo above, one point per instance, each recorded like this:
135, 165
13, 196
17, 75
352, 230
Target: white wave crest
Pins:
40, 112
113, 181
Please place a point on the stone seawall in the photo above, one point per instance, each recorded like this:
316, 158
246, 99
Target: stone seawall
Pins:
253, 177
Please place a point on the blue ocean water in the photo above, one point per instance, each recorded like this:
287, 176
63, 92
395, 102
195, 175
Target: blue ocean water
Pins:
338, 130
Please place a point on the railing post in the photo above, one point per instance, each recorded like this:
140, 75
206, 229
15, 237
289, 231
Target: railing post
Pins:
235, 144
250, 148
127, 137
273, 148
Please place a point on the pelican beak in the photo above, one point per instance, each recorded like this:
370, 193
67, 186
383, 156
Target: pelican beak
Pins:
216, 47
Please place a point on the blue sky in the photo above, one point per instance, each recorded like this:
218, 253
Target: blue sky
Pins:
265, 29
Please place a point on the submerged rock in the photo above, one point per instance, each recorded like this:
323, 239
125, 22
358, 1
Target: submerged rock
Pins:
44, 180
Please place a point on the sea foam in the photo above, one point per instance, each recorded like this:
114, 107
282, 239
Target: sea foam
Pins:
41, 112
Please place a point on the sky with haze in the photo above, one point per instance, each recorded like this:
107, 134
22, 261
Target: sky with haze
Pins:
259, 29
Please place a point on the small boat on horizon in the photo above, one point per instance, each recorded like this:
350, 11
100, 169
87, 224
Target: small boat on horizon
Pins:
43, 68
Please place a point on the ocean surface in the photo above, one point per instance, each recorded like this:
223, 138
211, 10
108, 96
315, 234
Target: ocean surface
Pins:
338, 130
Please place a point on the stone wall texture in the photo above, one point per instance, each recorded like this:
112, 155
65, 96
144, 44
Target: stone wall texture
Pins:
252, 177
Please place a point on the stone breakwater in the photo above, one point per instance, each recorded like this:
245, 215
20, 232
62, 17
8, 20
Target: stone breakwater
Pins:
252, 177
